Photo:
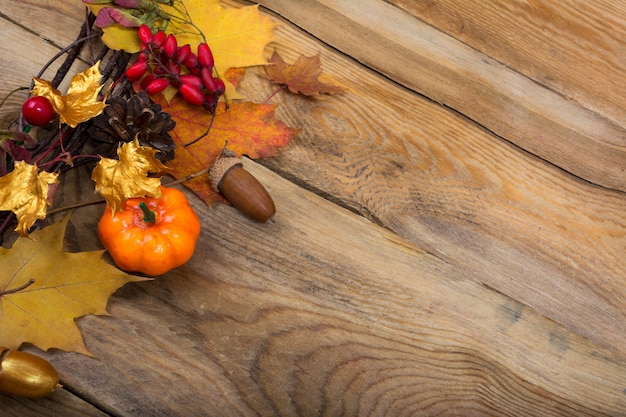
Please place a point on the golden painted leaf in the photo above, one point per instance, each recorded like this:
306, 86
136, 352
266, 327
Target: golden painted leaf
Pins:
24, 191
301, 77
251, 129
66, 286
81, 101
118, 180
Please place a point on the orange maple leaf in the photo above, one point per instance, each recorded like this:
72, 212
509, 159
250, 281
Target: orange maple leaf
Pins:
301, 77
248, 128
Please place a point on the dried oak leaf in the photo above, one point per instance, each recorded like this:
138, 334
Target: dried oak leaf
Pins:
301, 77
81, 101
43, 290
250, 129
119, 180
24, 191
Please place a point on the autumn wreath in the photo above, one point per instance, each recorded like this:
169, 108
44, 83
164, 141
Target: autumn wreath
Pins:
159, 96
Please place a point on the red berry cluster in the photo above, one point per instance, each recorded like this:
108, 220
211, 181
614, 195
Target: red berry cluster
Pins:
162, 63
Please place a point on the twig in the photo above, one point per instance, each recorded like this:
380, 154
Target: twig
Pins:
188, 177
204, 134
18, 289
102, 201
74, 51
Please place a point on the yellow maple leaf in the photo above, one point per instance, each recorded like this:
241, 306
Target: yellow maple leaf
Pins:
121, 38
237, 37
24, 191
43, 289
119, 180
81, 101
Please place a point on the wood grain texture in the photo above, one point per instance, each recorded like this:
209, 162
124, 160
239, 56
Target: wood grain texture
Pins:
574, 48
61, 403
512, 221
323, 313
449, 72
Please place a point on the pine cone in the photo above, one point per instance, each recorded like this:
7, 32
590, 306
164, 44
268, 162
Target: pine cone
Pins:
124, 119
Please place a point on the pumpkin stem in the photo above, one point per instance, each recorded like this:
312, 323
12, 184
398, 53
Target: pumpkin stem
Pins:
148, 215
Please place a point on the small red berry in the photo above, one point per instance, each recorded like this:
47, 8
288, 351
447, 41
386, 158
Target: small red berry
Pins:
192, 64
210, 102
191, 94
205, 56
143, 56
147, 80
145, 34
210, 83
221, 87
182, 53
157, 86
136, 71
37, 111
192, 80
158, 39
170, 46
173, 68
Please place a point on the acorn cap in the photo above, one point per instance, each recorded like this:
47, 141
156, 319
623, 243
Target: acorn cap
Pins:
220, 168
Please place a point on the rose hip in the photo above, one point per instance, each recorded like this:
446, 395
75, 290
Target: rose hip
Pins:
162, 63
207, 79
192, 64
192, 80
145, 34
158, 39
136, 71
157, 86
205, 56
182, 53
170, 46
191, 94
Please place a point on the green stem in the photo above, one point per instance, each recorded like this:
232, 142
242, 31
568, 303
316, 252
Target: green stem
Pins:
148, 215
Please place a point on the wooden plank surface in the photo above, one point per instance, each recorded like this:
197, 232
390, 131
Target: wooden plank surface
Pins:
574, 48
275, 320
324, 312
517, 224
517, 108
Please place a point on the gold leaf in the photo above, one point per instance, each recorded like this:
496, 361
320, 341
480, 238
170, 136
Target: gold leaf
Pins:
24, 191
127, 178
43, 290
81, 101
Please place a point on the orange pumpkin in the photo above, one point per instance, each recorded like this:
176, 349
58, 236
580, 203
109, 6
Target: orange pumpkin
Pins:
151, 235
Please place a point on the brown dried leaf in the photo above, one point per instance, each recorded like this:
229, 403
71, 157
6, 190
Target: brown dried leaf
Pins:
119, 180
301, 77
24, 191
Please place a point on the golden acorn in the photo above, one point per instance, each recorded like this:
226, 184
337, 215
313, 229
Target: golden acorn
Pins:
25, 374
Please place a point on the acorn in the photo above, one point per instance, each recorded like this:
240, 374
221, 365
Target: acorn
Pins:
25, 374
241, 188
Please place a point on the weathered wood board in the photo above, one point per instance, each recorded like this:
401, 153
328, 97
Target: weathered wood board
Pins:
419, 264
517, 223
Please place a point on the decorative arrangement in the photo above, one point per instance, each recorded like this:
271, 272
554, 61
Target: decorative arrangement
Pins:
159, 98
